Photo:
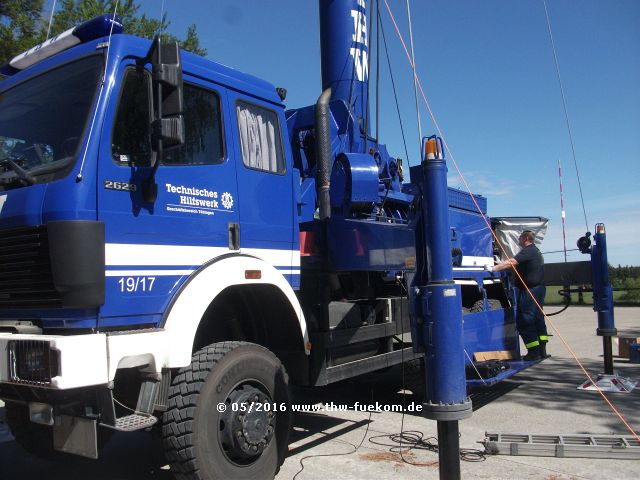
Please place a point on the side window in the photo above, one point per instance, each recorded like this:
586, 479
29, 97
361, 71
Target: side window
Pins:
203, 130
260, 139
131, 142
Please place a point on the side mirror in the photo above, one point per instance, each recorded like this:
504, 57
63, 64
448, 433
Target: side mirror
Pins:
167, 127
166, 67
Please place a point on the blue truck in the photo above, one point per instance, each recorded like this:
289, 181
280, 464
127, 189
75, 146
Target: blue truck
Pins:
177, 248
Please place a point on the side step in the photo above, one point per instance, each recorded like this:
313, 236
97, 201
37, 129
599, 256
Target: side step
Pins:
575, 446
150, 397
133, 422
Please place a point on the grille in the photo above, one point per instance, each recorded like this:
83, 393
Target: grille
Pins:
32, 362
26, 280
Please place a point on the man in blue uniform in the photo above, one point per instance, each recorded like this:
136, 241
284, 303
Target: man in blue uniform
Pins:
529, 265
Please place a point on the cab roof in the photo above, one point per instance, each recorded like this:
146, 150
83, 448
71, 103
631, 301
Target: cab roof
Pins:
81, 41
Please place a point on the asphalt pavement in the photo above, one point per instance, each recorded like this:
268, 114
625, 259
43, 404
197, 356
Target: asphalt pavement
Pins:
358, 444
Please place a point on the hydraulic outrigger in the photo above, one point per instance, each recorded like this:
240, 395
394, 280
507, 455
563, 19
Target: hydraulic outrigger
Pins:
608, 381
437, 322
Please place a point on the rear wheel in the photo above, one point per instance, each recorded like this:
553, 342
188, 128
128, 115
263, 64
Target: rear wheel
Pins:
229, 414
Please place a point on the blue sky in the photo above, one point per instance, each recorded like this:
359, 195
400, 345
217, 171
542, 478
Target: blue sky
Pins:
488, 72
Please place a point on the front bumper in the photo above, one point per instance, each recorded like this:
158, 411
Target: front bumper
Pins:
75, 361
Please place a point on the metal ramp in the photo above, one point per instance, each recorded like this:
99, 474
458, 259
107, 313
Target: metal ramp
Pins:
561, 446
515, 366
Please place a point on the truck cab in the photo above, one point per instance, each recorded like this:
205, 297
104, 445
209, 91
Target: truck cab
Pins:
98, 275
86, 152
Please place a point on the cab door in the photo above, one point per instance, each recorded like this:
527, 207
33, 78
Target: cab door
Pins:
268, 220
153, 246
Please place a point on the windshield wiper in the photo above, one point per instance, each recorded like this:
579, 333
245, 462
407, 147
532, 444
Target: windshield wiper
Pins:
20, 172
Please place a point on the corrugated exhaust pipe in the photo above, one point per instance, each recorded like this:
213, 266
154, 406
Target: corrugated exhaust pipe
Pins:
323, 153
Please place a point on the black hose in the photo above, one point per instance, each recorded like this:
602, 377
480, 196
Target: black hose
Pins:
567, 302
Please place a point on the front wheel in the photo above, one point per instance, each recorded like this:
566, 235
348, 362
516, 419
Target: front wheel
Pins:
228, 415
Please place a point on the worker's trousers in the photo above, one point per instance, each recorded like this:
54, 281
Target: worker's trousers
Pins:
529, 318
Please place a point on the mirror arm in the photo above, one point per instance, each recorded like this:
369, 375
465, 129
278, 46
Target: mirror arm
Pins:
149, 185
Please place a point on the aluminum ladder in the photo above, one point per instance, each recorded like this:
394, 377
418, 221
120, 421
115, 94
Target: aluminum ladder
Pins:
575, 445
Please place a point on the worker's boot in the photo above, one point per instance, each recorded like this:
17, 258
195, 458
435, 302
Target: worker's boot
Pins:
533, 354
543, 350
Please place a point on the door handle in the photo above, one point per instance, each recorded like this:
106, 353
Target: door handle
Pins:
234, 236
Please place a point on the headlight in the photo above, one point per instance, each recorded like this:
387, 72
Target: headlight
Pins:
33, 362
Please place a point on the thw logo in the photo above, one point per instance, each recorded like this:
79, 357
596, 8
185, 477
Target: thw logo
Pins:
358, 52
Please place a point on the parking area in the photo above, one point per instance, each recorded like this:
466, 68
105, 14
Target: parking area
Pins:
356, 443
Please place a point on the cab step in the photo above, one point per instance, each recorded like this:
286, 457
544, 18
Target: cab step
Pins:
133, 422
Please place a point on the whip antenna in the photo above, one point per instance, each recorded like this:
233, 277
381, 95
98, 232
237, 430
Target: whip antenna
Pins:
53, 9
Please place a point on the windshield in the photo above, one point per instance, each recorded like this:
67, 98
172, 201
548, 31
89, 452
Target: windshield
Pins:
42, 122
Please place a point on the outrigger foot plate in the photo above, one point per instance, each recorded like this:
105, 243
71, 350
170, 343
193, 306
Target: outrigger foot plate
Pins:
610, 383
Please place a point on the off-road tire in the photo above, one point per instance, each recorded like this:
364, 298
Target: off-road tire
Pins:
192, 423
493, 303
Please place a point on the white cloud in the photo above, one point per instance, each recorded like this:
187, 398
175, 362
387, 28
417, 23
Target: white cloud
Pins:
483, 183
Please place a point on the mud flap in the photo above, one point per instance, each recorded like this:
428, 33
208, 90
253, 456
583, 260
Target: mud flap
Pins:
76, 435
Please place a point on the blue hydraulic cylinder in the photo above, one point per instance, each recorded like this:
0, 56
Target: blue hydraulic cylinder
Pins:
602, 289
344, 54
440, 303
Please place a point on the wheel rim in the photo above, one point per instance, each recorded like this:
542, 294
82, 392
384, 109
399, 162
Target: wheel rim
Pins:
248, 424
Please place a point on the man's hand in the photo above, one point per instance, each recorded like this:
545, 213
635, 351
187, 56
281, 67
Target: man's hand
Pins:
489, 268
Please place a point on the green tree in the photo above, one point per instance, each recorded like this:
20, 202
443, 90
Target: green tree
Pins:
619, 275
191, 42
20, 26
23, 23
632, 295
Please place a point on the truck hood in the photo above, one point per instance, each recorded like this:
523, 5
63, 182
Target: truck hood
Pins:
22, 207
